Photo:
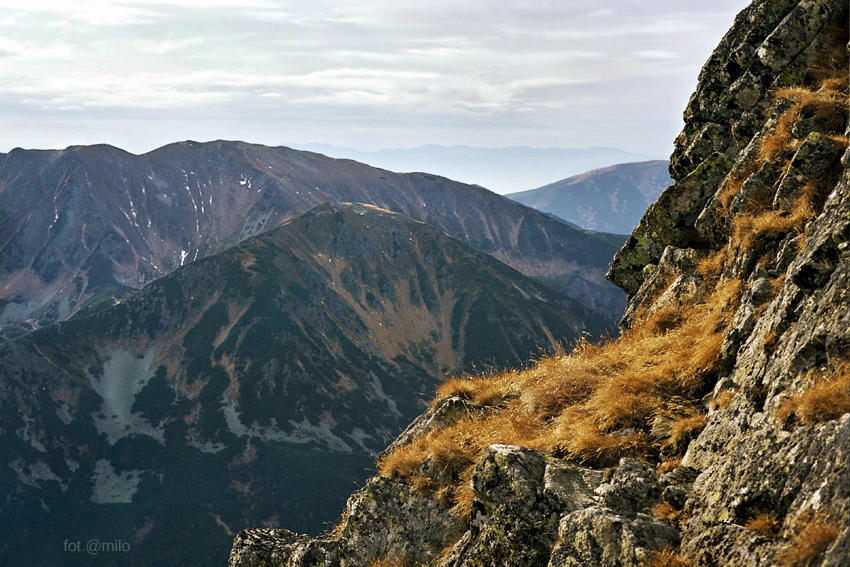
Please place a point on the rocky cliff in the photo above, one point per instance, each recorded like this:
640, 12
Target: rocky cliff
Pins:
715, 430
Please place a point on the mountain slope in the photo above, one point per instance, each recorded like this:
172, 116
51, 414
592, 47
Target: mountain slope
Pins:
86, 223
252, 385
611, 199
715, 430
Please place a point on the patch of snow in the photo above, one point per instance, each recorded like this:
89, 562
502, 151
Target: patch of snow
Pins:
303, 432
64, 414
112, 488
359, 436
31, 475
124, 376
379, 390
208, 447
523, 293
28, 434
183, 255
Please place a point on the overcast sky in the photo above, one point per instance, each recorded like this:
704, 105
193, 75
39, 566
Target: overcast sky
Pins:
381, 74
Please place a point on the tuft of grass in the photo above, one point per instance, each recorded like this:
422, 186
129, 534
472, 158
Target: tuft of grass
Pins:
764, 523
779, 144
712, 265
668, 558
668, 465
665, 512
814, 537
827, 398
723, 399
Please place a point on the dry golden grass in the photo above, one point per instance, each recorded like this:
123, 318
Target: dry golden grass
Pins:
388, 562
723, 399
668, 465
728, 190
815, 536
595, 405
712, 265
827, 102
764, 523
765, 224
780, 144
667, 513
668, 558
826, 399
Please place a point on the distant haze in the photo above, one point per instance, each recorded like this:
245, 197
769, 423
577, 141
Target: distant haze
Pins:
501, 170
138, 74
610, 199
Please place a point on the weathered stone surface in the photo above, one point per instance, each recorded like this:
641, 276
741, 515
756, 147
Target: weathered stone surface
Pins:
633, 487
668, 222
387, 518
281, 548
515, 503
601, 537
569, 486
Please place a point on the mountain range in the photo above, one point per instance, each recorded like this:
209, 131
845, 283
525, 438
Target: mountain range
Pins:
88, 224
216, 336
610, 199
252, 386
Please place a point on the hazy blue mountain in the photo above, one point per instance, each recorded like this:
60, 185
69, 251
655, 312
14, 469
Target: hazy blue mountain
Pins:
610, 199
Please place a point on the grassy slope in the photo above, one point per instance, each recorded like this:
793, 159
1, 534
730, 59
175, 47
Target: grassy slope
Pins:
641, 395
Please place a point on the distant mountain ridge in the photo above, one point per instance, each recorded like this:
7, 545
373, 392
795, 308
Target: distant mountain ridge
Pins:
610, 199
89, 223
503, 170
251, 386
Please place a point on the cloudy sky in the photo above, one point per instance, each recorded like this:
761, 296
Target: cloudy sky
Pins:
381, 74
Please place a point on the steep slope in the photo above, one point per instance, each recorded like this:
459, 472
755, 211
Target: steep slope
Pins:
611, 199
716, 429
252, 386
90, 223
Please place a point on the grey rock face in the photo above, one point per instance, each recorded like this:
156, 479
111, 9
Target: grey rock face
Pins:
519, 497
600, 536
770, 45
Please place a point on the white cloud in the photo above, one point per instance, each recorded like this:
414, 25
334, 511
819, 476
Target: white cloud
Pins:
520, 66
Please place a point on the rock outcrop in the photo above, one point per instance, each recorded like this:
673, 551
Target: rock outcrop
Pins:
741, 462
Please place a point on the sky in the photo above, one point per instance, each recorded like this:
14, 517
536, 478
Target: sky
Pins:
139, 74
